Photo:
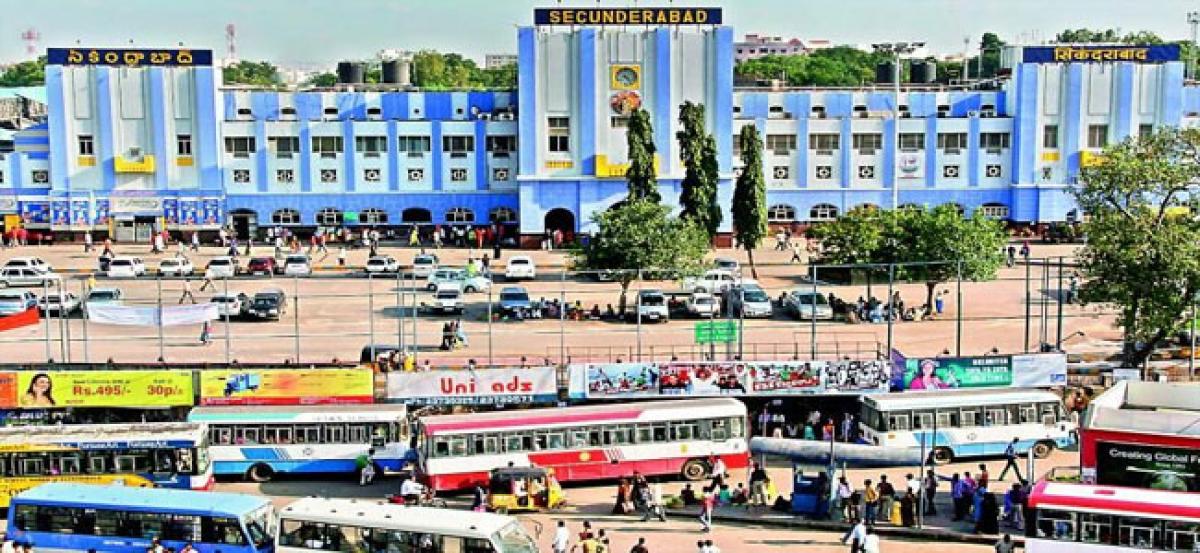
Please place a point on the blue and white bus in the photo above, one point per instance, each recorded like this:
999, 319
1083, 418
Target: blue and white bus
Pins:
64, 516
262, 441
168, 455
955, 424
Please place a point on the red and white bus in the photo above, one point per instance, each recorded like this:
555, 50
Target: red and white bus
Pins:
585, 443
1107, 519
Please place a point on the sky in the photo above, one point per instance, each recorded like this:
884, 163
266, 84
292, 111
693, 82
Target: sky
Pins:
292, 32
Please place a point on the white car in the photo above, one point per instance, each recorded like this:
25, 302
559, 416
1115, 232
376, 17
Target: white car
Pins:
448, 298
126, 267
520, 267
806, 305
28, 263
231, 305
16, 301
221, 267
58, 303
439, 277
649, 306
12, 277
382, 264
425, 264
751, 301
711, 282
175, 266
103, 296
704, 306
297, 265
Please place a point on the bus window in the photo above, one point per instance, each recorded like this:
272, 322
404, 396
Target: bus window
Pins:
70, 464
458, 446
335, 434
476, 545
578, 438
107, 522
616, 435
380, 433
969, 417
1056, 525
222, 530
277, 435
491, 444
645, 434
1138, 533
685, 430
1049, 413
33, 466
441, 448
222, 435
97, 463
1095, 528
595, 437
995, 416
1181, 536
737, 428
947, 419
358, 434
246, 435
554, 440
897, 421
718, 430
1029, 413
922, 420
660, 432
308, 434
513, 443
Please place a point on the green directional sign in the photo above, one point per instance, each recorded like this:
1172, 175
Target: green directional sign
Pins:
350, 217
715, 332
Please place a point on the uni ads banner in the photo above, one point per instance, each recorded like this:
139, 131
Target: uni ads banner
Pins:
474, 387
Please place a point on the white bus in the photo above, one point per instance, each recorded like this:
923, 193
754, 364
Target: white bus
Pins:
1080, 518
259, 442
952, 424
676, 438
320, 524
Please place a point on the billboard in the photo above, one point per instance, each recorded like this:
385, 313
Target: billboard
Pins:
629, 380
474, 387
286, 387
128, 57
1087, 53
1148, 467
992, 371
627, 16
40, 390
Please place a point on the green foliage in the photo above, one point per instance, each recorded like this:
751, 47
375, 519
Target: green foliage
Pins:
322, 80
1110, 36
840, 66
916, 235
26, 73
252, 73
437, 71
698, 150
643, 182
1143, 247
750, 196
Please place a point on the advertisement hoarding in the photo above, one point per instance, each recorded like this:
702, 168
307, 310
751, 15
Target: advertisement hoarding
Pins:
40, 390
626, 380
1150, 467
286, 387
474, 387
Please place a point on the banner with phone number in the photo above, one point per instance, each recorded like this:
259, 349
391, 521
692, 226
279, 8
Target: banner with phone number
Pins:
42, 390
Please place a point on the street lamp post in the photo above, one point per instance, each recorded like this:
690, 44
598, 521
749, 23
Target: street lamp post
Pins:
1193, 19
897, 50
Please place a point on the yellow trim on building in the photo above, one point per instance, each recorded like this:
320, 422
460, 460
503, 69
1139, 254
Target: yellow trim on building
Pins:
1050, 156
1090, 159
618, 170
184, 161
559, 164
144, 165
86, 161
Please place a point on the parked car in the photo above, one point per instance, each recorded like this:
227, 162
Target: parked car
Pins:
103, 296
476, 283
13, 277
175, 266
750, 301
269, 304
448, 298
262, 266
28, 263
703, 305
807, 305
382, 264
515, 299
727, 264
58, 304
649, 306
232, 305
714, 281
16, 301
297, 265
222, 267
520, 267
126, 267
425, 264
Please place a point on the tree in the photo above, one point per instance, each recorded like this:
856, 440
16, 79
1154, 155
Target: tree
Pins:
253, 73
939, 237
697, 148
639, 235
750, 196
1143, 247
26, 73
323, 80
643, 183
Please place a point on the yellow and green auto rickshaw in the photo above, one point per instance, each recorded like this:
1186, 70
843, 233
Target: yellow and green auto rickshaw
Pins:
513, 489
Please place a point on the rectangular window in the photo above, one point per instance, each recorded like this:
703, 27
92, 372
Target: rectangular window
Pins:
619, 121
413, 144
824, 142
559, 134
1056, 525
87, 146
1095, 528
867, 143
505, 144
328, 146
370, 144
1145, 130
1138, 533
952, 142
1097, 136
240, 146
283, 146
781, 144
993, 140
1050, 137
458, 144
912, 141
183, 144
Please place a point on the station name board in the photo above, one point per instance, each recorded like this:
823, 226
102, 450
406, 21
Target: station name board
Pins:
129, 57
1154, 53
627, 16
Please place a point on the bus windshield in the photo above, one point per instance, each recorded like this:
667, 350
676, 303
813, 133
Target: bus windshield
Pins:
513, 539
259, 525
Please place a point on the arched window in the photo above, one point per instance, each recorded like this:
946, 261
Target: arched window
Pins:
460, 215
329, 217
416, 215
823, 212
994, 211
781, 213
285, 216
502, 215
957, 207
373, 216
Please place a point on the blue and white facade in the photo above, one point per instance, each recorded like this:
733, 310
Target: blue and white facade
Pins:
129, 147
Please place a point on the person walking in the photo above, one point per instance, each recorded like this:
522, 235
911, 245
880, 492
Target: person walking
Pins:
855, 537
706, 508
871, 502
887, 497
1010, 456
1005, 544
187, 291
87, 242
562, 537
930, 485
640, 547
341, 256
195, 241
205, 333
871, 541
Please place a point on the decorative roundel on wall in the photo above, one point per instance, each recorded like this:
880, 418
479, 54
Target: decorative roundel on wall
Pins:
625, 103
910, 163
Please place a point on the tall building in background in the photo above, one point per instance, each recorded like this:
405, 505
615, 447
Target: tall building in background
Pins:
496, 61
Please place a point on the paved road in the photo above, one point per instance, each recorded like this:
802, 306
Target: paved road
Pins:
338, 314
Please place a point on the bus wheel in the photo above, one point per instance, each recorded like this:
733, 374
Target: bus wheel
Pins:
694, 470
260, 473
941, 456
1041, 450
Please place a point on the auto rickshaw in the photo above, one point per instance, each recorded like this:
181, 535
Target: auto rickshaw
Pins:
512, 489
